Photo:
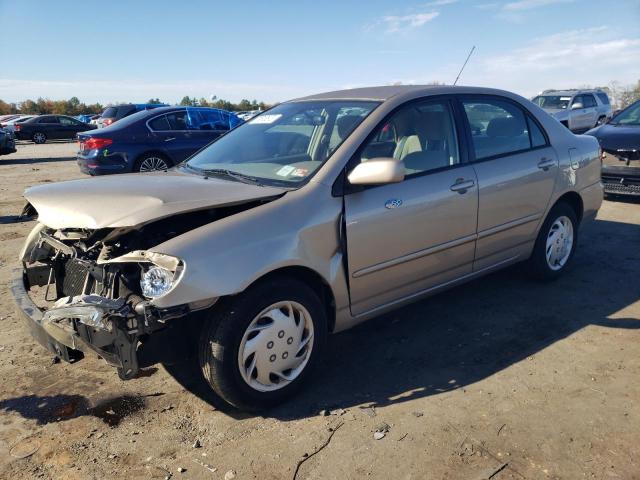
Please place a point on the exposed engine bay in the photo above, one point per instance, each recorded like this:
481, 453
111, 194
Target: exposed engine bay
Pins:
96, 287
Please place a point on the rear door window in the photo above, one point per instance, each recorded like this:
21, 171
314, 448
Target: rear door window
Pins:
159, 124
603, 98
589, 101
498, 127
49, 119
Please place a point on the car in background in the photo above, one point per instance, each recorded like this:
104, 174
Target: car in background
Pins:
578, 110
7, 142
6, 118
50, 127
620, 143
247, 114
118, 112
86, 118
152, 140
10, 125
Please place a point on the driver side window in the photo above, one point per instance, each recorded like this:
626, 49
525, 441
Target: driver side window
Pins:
422, 135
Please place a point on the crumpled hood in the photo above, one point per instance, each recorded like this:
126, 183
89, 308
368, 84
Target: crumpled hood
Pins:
134, 199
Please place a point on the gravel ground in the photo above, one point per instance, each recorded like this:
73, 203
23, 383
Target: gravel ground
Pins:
499, 378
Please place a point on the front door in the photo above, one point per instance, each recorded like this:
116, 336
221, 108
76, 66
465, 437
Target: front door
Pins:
516, 170
405, 238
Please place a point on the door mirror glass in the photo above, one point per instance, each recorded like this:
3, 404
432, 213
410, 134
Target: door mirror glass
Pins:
377, 171
577, 106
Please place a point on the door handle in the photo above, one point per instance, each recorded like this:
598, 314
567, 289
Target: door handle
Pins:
461, 186
546, 163
169, 139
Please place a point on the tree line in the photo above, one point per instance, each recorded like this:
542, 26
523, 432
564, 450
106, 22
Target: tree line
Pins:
74, 106
621, 96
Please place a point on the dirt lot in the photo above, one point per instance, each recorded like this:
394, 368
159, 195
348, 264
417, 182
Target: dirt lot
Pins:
500, 378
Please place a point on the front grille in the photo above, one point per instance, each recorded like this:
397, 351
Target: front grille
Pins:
622, 188
75, 274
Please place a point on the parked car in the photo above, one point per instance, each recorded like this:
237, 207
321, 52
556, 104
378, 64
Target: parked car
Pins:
620, 143
10, 125
118, 112
302, 222
6, 118
50, 127
7, 142
578, 110
152, 139
247, 114
85, 118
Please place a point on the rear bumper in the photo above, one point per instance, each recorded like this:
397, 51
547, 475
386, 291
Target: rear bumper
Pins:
98, 164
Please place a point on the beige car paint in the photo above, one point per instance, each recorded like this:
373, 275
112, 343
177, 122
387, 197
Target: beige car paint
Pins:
394, 255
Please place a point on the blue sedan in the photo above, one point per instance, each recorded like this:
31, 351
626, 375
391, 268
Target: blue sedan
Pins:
152, 140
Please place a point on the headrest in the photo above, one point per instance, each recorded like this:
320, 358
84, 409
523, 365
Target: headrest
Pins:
346, 124
505, 127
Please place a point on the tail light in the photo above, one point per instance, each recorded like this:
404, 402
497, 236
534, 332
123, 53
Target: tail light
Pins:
107, 121
16, 127
92, 143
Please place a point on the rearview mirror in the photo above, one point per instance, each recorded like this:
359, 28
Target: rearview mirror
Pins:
377, 171
577, 106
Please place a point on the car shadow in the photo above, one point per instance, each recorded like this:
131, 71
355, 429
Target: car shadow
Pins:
29, 161
468, 333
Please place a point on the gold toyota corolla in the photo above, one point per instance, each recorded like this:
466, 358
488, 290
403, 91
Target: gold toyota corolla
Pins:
316, 215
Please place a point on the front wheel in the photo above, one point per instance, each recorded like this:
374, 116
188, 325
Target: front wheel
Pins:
556, 243
263, 344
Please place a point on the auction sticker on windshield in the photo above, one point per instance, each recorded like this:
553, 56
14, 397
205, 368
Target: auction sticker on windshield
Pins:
265, 119
285, 171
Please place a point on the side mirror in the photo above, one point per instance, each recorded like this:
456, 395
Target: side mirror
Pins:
377, 171
576, 106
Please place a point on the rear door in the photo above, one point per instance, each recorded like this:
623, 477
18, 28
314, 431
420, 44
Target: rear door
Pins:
516, 168
407, 237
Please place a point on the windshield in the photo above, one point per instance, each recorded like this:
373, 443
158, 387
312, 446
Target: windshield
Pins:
557, 102
629, 116
286, 144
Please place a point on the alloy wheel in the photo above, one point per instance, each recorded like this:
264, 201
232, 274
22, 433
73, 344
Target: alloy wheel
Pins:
276, 346
39, 137
559, 243
153, 164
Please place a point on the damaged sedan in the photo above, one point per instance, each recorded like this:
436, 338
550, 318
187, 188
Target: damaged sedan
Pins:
313, 216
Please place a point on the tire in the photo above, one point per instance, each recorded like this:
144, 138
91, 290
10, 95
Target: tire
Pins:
552, 254
39, 138
241, 383
152, 162
601, 121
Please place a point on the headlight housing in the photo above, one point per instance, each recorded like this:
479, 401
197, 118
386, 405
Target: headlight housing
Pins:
156, 281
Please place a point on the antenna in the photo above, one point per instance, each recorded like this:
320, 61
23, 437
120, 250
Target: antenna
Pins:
464, 64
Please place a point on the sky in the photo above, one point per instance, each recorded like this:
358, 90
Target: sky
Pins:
134, 50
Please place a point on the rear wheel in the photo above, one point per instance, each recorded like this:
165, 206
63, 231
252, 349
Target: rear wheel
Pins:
263, 344
601, 121
556, 243
152, 163
39, 137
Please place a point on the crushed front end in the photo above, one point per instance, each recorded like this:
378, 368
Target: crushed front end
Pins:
83, 291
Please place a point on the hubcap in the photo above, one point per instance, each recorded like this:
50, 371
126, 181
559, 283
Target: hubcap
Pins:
276, 346
153, 164
559, 243
38, 138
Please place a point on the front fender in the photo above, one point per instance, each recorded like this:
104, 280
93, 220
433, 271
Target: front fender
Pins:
225, 257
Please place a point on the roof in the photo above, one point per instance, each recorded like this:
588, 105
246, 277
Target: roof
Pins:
570, 91
385, 93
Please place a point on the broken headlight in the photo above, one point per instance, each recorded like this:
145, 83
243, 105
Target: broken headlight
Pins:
156, 281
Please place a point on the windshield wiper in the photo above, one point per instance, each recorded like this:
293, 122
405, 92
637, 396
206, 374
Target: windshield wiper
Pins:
241, 177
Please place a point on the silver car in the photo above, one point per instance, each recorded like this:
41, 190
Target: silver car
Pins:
578, 110
312, 217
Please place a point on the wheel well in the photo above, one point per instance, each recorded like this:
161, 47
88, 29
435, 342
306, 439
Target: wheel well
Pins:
574, 201
313, 280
